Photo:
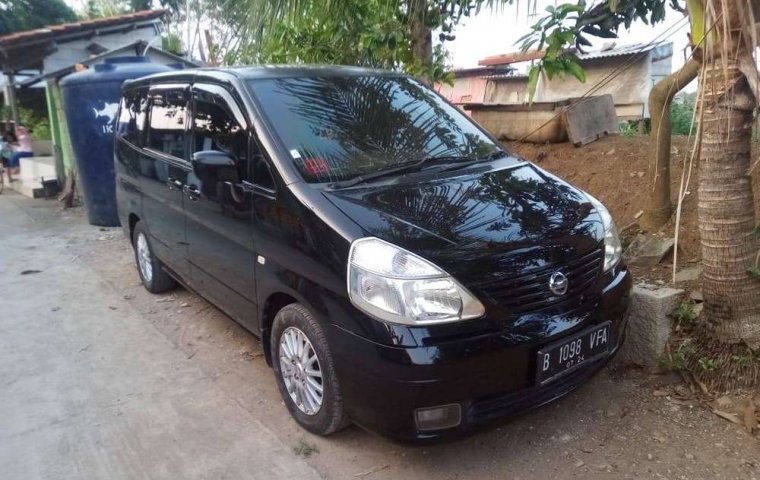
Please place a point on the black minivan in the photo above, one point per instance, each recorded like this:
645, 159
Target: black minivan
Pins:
403, 270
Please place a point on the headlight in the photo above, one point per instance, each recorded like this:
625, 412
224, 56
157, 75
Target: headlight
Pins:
397, 286
612, 247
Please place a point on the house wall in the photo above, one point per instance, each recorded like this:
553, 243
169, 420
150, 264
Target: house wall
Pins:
629, 87
75, 51
470, 89
507, 90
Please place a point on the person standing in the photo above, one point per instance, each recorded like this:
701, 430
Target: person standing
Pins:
22, 149
8, 143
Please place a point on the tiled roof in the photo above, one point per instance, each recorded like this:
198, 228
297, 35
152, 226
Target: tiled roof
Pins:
54, 31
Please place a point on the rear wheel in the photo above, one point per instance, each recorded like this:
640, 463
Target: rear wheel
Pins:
153, 276
304, 370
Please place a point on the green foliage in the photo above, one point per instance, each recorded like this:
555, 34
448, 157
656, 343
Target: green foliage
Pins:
747, 357
305, 449
372, 36
38, 124
569, 24
172, 43
375, 33
708, 364
20, 15
678, 360
553, 33
685, 314
755, 272
681, 114
42, 131
629, 128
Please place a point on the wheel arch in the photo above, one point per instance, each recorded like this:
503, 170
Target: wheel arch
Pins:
133, 219
275, 302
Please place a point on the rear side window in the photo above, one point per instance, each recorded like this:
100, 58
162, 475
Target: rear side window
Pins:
131, 122
166, 131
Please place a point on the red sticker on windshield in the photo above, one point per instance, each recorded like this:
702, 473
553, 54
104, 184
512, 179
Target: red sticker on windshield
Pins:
316, 165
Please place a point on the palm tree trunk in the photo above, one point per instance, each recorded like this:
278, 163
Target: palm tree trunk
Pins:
725, 207
659, 206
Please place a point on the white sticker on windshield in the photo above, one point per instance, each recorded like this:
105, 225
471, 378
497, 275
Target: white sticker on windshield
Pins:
294, 153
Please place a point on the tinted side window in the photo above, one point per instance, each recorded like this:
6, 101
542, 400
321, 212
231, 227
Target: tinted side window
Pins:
216, 128
166, 132
131, 122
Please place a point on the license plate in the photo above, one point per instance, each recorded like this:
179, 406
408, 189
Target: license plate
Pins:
571, 353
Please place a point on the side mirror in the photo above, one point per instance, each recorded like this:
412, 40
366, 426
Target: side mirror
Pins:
215, 167
213, 158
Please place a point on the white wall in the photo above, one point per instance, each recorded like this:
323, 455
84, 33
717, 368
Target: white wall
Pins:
75, 51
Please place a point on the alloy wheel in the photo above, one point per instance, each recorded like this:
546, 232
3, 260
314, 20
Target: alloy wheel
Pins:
300, 370
143, 257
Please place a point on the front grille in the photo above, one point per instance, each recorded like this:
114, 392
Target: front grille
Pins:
529, 292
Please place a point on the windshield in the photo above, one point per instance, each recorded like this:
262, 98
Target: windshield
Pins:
340, 127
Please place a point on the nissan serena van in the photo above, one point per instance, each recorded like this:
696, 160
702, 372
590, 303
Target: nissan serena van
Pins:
403, 270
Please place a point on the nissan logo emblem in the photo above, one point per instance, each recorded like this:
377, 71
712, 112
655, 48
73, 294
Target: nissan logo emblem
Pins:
558, 283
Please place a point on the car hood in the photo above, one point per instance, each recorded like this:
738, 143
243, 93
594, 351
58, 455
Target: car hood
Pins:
491, 226
489, 209
501, 230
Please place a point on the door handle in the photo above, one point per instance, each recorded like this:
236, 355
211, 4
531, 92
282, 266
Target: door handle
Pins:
192, 191
173, 183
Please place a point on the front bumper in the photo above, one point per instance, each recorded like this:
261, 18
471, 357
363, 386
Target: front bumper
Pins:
491, 376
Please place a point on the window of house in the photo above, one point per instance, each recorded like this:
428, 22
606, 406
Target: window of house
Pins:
166, 132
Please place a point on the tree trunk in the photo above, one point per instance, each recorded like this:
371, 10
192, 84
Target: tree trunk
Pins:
422, 35
659, 207
725, 208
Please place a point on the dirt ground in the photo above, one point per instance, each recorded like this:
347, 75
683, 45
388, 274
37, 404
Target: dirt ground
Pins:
615, 170
622, 424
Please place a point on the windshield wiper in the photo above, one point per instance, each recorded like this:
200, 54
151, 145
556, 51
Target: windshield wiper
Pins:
462, 162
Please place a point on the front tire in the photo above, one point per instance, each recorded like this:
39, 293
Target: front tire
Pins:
304, 371
153, 276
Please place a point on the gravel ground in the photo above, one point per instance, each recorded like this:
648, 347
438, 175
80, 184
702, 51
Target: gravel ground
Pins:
623, 424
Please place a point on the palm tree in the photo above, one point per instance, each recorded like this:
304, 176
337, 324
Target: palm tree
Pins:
727, 223
724, 39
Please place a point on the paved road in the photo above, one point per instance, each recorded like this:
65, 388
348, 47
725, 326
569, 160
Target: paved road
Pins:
89, 389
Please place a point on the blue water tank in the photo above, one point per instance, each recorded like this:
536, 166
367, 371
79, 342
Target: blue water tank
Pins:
90, 101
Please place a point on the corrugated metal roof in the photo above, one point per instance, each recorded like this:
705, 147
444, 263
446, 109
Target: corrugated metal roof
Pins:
663, 49
481, 71
53, 31
626, 50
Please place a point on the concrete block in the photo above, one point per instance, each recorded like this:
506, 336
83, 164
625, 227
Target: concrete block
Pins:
590, 119
689, 274
649, 324
32, 171
648, 251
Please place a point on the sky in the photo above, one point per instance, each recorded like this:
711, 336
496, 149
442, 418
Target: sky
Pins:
493, 33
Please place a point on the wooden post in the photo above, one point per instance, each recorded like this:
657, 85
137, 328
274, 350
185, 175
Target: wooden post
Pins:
11, 92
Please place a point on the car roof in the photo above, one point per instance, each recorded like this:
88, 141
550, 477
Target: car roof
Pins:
263, 72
